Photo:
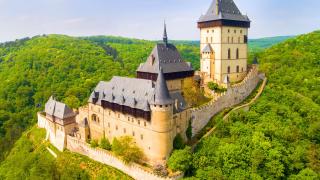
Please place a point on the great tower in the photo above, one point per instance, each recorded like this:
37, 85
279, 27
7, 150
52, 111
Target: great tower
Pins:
224, 42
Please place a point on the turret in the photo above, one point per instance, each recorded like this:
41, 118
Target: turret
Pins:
161, 120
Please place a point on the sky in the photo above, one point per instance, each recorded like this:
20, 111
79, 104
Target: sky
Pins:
144, 19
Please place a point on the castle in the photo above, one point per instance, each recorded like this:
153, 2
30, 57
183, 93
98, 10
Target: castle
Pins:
151, 108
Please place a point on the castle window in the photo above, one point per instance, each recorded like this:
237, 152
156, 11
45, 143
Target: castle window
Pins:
228, 39
211, 39
94, 118
237, 69
241, 31
160, 106
239, 40
128, 118
229, 53
245, 39
117, 127
207, 31
237, 53
141, 136
241, 69
212, 31
228, 69
124, 130
235, 31
109, 113
145, 124
207, 39
232, 40
109, 125
133, 134
118, 115
228, 30
139, 122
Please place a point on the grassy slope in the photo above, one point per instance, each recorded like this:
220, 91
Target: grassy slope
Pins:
279, 136
29, 159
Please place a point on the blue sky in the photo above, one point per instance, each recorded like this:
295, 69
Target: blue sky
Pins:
144, 18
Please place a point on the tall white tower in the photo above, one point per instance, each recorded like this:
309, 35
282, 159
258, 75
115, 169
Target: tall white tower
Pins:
224, 42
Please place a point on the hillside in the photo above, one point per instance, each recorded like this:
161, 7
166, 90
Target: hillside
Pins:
278, 138
33, 69
35, 162
263, 43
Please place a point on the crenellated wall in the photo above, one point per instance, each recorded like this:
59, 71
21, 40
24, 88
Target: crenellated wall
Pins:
134, 170
235, 95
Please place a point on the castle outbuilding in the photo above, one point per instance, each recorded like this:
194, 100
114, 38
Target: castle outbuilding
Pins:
223, 42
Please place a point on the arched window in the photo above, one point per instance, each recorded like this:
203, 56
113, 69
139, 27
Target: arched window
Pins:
232, 40
239, 40
237, 54
229, 53
237, 69
241, 69
228, 39
228, 69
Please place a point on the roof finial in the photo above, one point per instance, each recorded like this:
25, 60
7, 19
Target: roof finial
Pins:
165, 36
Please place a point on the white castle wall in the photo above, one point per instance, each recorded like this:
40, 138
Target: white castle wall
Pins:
134, 170
236, 94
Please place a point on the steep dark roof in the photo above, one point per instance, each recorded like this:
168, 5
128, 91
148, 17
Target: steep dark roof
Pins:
161, 95
207, 49
227, 10
58, 109
168, 58
136, 93
130, 92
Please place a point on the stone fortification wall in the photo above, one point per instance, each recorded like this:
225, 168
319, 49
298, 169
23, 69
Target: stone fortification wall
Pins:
134, 170
235, 95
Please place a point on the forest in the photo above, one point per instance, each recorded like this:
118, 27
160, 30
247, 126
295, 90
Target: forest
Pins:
277, 138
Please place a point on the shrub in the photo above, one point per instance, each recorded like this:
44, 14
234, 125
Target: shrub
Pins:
94, 143
180, 160
127, 150
215, 87
105, 144
178, 142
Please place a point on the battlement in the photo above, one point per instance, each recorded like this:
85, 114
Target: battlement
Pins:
235, 94
134, 170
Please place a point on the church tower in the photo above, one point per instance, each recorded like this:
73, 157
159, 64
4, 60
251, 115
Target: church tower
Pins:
224, 42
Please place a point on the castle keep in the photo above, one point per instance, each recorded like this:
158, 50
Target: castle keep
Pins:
223, 42
151, 108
